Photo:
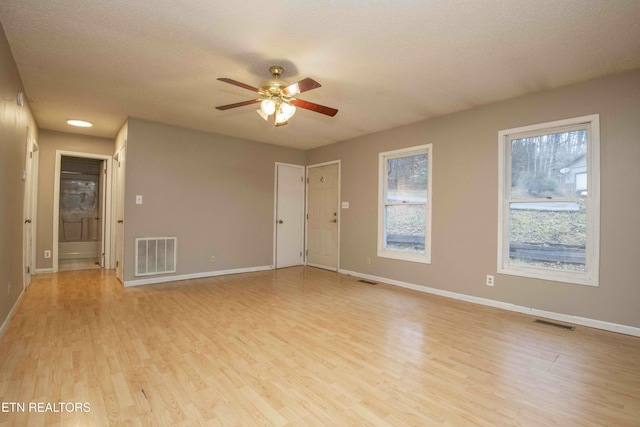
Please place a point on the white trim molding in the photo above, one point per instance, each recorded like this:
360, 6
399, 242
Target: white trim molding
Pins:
164, 279
577, 320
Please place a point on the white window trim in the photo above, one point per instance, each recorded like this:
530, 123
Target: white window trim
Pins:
591, 276
404, 256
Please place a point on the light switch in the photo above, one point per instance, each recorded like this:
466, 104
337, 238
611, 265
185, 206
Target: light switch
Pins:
345, 205
138, 200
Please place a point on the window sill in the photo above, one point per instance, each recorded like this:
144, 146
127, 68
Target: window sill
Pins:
583, 279
405, 256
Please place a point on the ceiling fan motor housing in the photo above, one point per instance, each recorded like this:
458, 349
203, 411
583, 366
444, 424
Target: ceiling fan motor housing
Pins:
273, 87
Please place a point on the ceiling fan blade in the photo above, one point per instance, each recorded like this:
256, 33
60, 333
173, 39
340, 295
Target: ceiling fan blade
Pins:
237, 83
314, 107
301, 86
238, 104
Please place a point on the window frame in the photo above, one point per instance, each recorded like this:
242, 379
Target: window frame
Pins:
383, 252
590, 276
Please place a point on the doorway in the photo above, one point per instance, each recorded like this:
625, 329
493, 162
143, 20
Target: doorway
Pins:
289, 215
82, 203
323, 215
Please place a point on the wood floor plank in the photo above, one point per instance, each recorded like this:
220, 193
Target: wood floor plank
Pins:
301, 346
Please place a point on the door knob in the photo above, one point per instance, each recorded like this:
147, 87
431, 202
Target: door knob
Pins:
120, 221
280, 221
27, 221
334, 220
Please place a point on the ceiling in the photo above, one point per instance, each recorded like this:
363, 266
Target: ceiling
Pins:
381, 63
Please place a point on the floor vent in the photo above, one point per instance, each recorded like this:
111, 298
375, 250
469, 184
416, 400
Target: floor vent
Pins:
368, 282
557, 325
156, 255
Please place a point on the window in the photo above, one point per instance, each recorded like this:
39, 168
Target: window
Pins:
550, 201
404, 205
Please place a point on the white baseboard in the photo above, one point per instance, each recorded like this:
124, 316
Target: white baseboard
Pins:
164, 279
11, 313
592, 323
44, 270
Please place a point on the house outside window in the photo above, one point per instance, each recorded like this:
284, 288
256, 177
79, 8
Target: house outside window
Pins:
404, 204
549, 201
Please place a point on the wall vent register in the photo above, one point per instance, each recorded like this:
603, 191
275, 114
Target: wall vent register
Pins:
156, 255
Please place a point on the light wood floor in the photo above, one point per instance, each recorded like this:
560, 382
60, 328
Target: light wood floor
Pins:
302, 347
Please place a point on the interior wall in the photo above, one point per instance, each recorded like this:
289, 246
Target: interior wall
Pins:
215, 193
14, 121
465, 200
50, 142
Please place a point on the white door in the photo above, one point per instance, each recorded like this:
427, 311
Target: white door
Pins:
322, 211
30, 185
119, 166
289, 215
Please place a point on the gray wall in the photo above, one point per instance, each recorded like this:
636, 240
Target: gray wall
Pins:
14, 121
50, 142
214, 192
465, 200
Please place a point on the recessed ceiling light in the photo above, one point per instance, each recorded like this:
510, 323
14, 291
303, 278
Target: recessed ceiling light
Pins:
80, 123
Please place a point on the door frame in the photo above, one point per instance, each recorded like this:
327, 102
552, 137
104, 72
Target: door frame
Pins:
306, 209
117, 242
106, 237
275, 212
30, 208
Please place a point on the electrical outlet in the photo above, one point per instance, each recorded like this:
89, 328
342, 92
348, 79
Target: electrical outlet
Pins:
8, 288
489, 280
47, 254
213, 258
368, 260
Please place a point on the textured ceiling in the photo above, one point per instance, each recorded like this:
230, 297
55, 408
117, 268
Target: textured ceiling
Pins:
381, 63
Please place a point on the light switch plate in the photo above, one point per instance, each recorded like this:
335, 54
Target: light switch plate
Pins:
138, 200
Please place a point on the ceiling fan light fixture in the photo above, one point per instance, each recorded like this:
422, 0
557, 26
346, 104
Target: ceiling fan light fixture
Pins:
264, 115
280, 118
284, 113
287, 109
268, 107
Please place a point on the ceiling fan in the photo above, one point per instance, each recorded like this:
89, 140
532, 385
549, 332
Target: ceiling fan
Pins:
277, 97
